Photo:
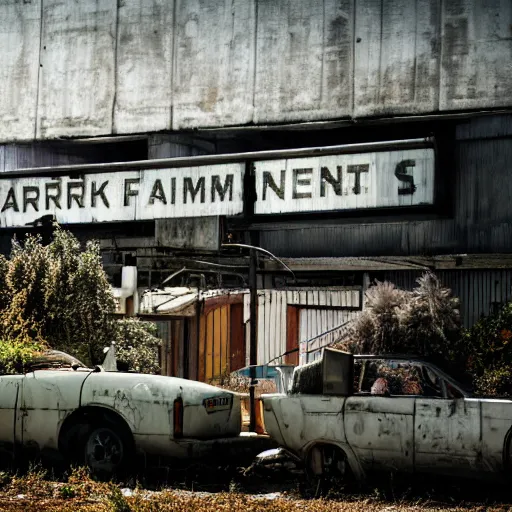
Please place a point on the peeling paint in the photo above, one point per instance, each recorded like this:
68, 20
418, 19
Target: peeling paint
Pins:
464, 436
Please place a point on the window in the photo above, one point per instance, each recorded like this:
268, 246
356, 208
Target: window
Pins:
385, 377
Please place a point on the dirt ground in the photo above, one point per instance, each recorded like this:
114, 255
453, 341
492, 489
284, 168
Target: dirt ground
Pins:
207, 488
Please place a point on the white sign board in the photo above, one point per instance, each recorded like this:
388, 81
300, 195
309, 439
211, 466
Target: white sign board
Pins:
208, 190
345, 182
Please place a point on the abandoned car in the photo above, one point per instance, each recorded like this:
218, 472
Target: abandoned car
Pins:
104, 418
350, 415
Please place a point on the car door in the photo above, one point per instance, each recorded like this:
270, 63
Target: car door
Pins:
379, 419
448, 433
10, 386
47, 398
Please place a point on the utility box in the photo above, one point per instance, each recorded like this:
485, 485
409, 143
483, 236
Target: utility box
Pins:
338, 372
333, 374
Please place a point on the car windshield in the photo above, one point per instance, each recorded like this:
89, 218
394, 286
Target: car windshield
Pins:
54, 359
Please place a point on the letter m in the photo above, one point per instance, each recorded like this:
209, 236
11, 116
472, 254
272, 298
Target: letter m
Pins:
222, 190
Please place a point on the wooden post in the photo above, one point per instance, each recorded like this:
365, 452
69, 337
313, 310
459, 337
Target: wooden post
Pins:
253, 350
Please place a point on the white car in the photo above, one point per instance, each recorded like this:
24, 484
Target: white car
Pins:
103, 419
352, 415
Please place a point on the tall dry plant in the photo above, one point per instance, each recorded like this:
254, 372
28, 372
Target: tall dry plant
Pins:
424, 321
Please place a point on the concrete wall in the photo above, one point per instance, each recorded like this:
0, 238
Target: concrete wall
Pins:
97, 67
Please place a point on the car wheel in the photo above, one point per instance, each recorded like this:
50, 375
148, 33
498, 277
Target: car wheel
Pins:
107, 452
327, 469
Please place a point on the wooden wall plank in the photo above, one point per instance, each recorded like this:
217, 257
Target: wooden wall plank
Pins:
144, 66
209, 346
224, 340
217, 342
236, 338
292, 334
77, 74
20, 38
396, 56
201, 365
214, 63
304, 60
193, 349
476, 54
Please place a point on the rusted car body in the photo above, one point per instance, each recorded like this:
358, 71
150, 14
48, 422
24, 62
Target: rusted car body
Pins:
104, 419
392, 413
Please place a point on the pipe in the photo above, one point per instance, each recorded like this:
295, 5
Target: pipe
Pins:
192, 161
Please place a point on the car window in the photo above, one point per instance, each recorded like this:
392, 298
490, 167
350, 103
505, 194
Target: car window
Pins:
452, 392
395, 378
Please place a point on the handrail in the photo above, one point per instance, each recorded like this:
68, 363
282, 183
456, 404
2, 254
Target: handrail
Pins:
307, 342
190, 161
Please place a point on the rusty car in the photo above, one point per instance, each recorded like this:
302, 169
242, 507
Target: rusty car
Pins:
347, 416
103, 419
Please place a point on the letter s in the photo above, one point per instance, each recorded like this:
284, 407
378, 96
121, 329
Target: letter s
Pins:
401, 174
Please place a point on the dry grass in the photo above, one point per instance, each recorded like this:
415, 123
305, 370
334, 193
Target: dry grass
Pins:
33, 491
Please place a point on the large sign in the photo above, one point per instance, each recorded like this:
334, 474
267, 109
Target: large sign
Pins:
345, 182
126, 195
307, 184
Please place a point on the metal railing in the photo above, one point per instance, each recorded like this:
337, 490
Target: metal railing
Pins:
311, 349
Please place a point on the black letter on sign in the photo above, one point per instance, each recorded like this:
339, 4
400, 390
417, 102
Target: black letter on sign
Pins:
357, 170
100, 192
173, 190
401, 174
30, 200
128, 192
301, 182
157, 193
187, 186
268, 181
217, 186
53, 185
327, 176
79, 198
10, 201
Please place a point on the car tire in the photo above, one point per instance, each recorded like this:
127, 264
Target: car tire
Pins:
335, 475
107, 451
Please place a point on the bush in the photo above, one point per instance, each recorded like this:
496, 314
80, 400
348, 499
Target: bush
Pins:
59, 296
487, 348
137, 346
14, 354
424, 321
496, 382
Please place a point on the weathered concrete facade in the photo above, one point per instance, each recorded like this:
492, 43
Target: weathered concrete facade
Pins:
101, 67
104, 81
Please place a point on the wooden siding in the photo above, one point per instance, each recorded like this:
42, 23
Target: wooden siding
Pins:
214, 344
100, 67
479, 291
478, 221
324, 306
171, 332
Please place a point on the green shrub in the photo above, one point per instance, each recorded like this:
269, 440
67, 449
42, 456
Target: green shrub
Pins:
58, 296
137, 345
496, 382
14, 355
